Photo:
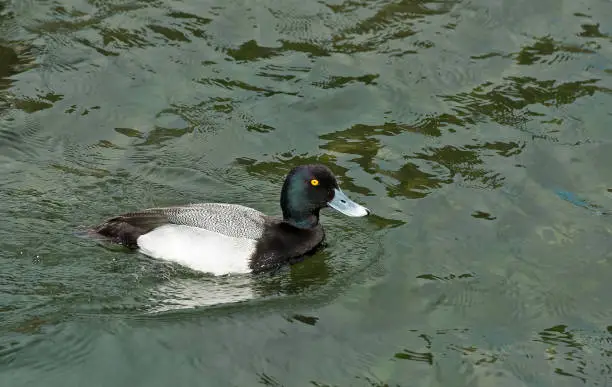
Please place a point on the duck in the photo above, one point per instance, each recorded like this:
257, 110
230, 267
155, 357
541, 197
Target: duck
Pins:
226, 238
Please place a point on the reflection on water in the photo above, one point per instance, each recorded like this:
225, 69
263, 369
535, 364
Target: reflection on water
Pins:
477, 132
192, 294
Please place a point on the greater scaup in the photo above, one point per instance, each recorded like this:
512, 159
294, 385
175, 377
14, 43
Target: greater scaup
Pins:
220, 238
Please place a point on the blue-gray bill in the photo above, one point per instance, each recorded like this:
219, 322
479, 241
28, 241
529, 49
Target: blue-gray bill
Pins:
343, 204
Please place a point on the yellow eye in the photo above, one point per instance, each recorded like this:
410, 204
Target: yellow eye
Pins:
314, 182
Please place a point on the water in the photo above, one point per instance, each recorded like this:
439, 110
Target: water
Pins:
477, 132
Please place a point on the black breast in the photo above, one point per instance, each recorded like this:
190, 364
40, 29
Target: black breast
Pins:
283, 243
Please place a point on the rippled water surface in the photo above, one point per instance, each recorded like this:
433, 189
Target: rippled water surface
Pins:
477, 131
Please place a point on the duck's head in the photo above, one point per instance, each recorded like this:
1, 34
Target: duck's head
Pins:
307, 189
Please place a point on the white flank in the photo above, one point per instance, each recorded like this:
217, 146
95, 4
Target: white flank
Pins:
198, 249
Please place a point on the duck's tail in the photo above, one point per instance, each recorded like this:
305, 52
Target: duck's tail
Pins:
126, 229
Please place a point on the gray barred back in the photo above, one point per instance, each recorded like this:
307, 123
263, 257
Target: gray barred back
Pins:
228, 219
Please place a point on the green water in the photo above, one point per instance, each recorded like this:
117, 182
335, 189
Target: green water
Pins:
455, 122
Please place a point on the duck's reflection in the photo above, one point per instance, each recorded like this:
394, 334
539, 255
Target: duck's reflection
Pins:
192, 293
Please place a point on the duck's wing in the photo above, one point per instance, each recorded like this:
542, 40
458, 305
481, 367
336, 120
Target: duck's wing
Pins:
231, 220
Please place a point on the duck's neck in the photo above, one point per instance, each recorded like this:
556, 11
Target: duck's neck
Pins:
302, 220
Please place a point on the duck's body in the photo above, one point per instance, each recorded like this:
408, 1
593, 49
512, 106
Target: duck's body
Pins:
221, 238
216, 238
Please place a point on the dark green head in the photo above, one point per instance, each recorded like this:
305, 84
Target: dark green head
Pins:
307, 189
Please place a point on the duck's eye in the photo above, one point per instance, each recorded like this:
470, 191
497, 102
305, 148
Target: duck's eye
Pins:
314, 182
